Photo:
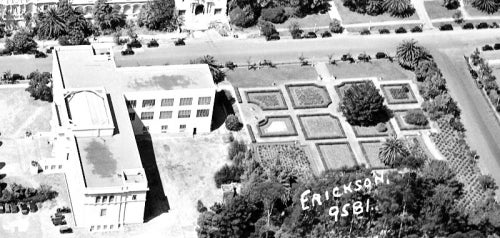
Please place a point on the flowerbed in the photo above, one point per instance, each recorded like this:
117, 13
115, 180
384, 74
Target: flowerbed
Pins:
370, 151
399, 115
321, 126
267, 99
336, 156
371, 131
398, 93
287, 155
277, 126
308, 96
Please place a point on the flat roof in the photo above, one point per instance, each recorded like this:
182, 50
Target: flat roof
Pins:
89, 108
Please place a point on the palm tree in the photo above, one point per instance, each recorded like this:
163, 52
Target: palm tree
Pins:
50, 25
488, 6
108, 17
393, 150
409, 53
398, 8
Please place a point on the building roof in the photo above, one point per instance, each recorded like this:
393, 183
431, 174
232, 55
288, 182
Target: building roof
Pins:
89, 108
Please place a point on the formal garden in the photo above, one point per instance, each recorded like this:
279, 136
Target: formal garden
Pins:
382, 68
398, 93
370, 151
267, 99
337, 156
276, 126
321, 126
308, 96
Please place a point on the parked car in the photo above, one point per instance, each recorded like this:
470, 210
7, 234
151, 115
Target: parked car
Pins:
33, 207
14, 208
2, 208
63, 210
310, 35
24, 209
65, 229
58, 222
57, 216
179, 42
127, 51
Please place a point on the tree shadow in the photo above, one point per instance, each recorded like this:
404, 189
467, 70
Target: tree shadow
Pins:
2, 164
2, 176
222, 108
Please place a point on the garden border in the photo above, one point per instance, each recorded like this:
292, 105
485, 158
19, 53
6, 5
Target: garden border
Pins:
329, 100
372, 135
307, 137
322, 157
250, 132
259, 130
238, 95
366, 156
386, 97
416, 127
265, 108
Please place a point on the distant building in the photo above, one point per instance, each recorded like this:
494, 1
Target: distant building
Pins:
97, 110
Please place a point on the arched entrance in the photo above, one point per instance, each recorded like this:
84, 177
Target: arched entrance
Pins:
199, 9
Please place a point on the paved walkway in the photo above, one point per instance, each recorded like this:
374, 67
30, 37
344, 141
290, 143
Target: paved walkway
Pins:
422, 13
334, 12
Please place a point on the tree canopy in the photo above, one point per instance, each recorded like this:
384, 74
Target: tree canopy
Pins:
40, 86
363, 105
107, 17
159, 15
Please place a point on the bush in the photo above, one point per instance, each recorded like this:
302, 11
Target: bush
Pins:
22, 42
326, 34
231, 65
416, 29
233, 123
482, 25
127, 51
400, 30
335, 27
227, 174
416, 117
381, 127
295, 30
468, 26
363, 105
496, 46
267, 29
200, 207
275, 15
236, 147
40, 54
384, 31
153, 43
39, 86
487, 48
446, 27
380, 55
365, 32
310, 35
451, 4
243, 17
134, 44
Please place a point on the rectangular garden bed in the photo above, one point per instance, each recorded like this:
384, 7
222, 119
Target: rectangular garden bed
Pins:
308, 96
242, 77
398, 93
371, 131
337, 156
399, 115
349, 17
321, 126
277, 126
376, 68
370, 151
435, 10
288, 155
267, 99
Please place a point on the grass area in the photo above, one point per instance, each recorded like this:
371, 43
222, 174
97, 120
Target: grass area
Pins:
21, 113
277, 126
349, 17
25, 64
370, 151
473, 12
242, 77
267, 99
435, 10
376, 68
336, 155
308, 96
396, 93
399, 115
371, 131
321, 126
309, 21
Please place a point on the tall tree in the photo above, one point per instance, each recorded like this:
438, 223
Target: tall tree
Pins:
363, 105
159, 15
399, 8
409, 53
218, 74
50, 24
107, 17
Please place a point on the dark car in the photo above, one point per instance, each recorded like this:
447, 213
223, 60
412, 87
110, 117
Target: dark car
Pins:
57, 216
14, 208
179, 42
65, 229
2, 208
63, 210
33, 207
58, 221
310, 35
24, 209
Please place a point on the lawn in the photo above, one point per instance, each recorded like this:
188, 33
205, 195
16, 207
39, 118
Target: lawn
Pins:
276, 126
242, 77
308, 96
376, 68
371, 131
349, 17
473, 12
398, 93
370, 150
25, 64
435, 10
21, 113
399, 115
267, 99
309, 21
321, 126
336, 155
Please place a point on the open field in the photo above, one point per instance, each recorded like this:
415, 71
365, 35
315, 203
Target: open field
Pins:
242, 77
25, 64
349, 17
435, 10
376, 68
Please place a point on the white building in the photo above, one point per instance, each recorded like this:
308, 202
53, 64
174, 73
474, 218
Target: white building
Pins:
197, 13
94, 141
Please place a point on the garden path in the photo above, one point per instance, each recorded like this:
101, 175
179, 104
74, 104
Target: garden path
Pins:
334, 12
465, 14
422, 13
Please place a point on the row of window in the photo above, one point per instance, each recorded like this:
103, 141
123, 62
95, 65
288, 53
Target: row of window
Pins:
104, 199
52, 167
168, 102
164, 128
104, 227
168, 114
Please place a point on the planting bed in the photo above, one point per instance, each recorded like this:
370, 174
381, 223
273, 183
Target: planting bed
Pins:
376, 68
277, 126
370, 151
336, 155
321, 126
399, 115
396, 94
267, 99
371, 131
341, 88
288, 155
308, 96
435, 10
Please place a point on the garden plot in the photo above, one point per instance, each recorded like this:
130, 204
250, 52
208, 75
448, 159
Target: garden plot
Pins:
267, 99
308, 96
373, 131
243, 77
276, 126
336, 155
287, 155
399, 115
376, 68
398, 93
435, 10
370, 151
321, 126
341, 88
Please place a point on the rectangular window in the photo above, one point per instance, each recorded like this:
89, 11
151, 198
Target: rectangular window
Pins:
98, 199
184, 114
204, 100
111, 227
111, 198
134, 197
186, 101
182, 127
105, 199
167, 102
147, 115
52, 167
202, 113
165, 114
148, 103
218, 11
60, 166
103, 212
164, 128
132, 116
131, 103
105, 227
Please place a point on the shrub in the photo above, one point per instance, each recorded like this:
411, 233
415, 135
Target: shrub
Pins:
496, 46
456, 124
40, 54
200, 207
335, 26
487, 182
233, 123
40, 86
482, 25
384, 31
227, 174
231, 65
179, 42
134, 44
416, 117
326, 34
243, 17
400, 30
236, 147
446, 27
468, 26
381, 127
22, 42
416, 29
295, 30
380, 55
274, 14
267, 29
365, 32
487, 48
153, 43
